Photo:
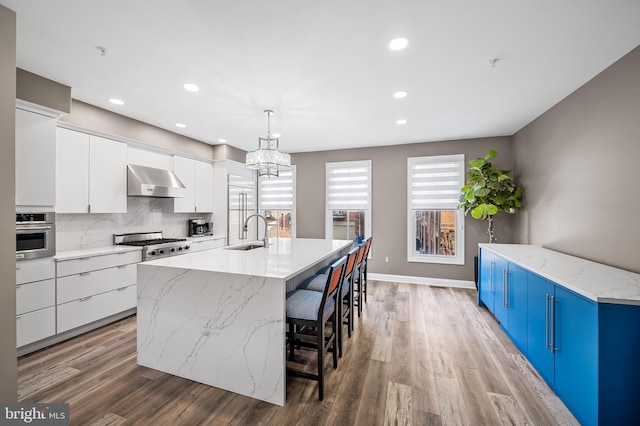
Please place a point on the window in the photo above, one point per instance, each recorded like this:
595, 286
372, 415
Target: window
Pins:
348, 200
435, 224
278, 203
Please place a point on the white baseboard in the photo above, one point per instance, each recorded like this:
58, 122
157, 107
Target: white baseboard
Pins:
438, 282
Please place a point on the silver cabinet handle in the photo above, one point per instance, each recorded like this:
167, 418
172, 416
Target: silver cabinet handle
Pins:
27, 229
553, 324
84, 299
122, 288
122, 266
491, 277
504, 288
84, 274
546, 322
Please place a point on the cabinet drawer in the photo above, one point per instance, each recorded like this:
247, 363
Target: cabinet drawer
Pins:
80, 312
35, 326
206, 244
93, 263
87, 284
35, 270
34, 296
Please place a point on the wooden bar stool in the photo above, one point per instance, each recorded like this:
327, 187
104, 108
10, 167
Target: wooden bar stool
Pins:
308, 312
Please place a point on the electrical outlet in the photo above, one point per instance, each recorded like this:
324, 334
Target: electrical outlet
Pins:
386, 259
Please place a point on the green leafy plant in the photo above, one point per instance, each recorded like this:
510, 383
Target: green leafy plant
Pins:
488, 191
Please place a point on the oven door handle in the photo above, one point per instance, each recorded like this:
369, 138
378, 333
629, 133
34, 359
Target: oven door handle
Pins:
24, 230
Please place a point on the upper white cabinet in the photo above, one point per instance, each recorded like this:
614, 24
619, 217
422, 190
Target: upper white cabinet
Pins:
91, 174
107, 176
197, 177
35, 153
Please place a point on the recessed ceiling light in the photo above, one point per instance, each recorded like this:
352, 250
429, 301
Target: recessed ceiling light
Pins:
116, 101
400, 95
401, 122
222, 140
191, 87
181, 125
398, 43
276, 135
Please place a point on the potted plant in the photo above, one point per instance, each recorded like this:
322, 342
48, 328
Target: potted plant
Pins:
488, 191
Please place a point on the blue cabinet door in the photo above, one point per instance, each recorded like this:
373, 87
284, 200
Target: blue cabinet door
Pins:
501, 310
517, 305
485, 286
576, 354
539, 293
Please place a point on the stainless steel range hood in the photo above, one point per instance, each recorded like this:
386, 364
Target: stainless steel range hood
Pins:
145, 181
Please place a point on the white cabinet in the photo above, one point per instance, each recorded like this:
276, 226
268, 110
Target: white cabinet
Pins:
35, 154
205, 243
91, 174
72, 171
107, 176
35, 300
197, 177
95, 287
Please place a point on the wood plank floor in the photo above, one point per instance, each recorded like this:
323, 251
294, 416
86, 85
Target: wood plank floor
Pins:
420, 355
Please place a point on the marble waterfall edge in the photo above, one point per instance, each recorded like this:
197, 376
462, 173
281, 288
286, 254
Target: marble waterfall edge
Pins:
214, 328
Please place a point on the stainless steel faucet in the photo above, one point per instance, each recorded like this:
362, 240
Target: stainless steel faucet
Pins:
265, 240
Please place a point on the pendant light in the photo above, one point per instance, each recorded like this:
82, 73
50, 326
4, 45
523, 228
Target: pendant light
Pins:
267, 159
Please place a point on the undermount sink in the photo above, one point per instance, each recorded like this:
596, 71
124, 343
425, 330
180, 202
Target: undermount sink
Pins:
245, 247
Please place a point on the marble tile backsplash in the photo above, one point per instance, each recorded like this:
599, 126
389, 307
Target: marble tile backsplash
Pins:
83, 231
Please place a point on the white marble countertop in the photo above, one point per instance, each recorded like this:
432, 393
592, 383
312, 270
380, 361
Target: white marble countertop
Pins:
595, 281
283, 259
98, 251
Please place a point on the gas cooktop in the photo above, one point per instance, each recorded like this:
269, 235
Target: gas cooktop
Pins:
154, 245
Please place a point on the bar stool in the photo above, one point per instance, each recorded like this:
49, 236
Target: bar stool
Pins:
308, 312
317, 282
357, 278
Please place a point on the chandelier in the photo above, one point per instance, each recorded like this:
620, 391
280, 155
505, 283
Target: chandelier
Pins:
267, 159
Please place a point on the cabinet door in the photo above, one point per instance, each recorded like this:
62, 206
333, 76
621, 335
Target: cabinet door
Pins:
35, 159
107, 176
185, 169
517, 305
500, 271
576, 354
539, 294
72, 171
485, 280
204, 187
147, 158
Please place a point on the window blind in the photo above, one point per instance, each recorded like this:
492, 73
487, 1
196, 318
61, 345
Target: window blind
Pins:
277, 192
348, 185
435, 182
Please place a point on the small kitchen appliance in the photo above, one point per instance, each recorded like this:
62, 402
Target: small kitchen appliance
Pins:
35, 235
154, 245
199, 228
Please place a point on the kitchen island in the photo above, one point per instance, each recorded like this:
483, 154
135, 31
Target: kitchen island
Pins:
218, 316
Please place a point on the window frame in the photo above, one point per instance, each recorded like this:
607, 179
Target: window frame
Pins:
328, 230
262, 210
412, 256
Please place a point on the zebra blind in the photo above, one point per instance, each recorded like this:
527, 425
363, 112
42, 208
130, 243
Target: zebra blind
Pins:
348, 185
434, 182
278, 192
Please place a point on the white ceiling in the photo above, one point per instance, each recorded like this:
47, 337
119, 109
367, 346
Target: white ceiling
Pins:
325, 67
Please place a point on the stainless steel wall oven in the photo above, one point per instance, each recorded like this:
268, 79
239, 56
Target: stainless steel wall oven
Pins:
35, 235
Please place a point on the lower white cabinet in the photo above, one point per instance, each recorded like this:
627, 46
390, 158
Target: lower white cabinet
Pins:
95, 287
35, 325
207, 244
35, 300
93, 308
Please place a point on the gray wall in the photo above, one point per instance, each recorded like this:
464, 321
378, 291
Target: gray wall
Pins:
8, 365
100, 120
389, 201
579, 165
42, 91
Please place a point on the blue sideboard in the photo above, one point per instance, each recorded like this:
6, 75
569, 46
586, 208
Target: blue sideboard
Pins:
578, 323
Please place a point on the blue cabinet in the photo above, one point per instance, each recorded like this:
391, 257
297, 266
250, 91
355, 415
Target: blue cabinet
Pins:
588, 352
503, 290
563, 345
